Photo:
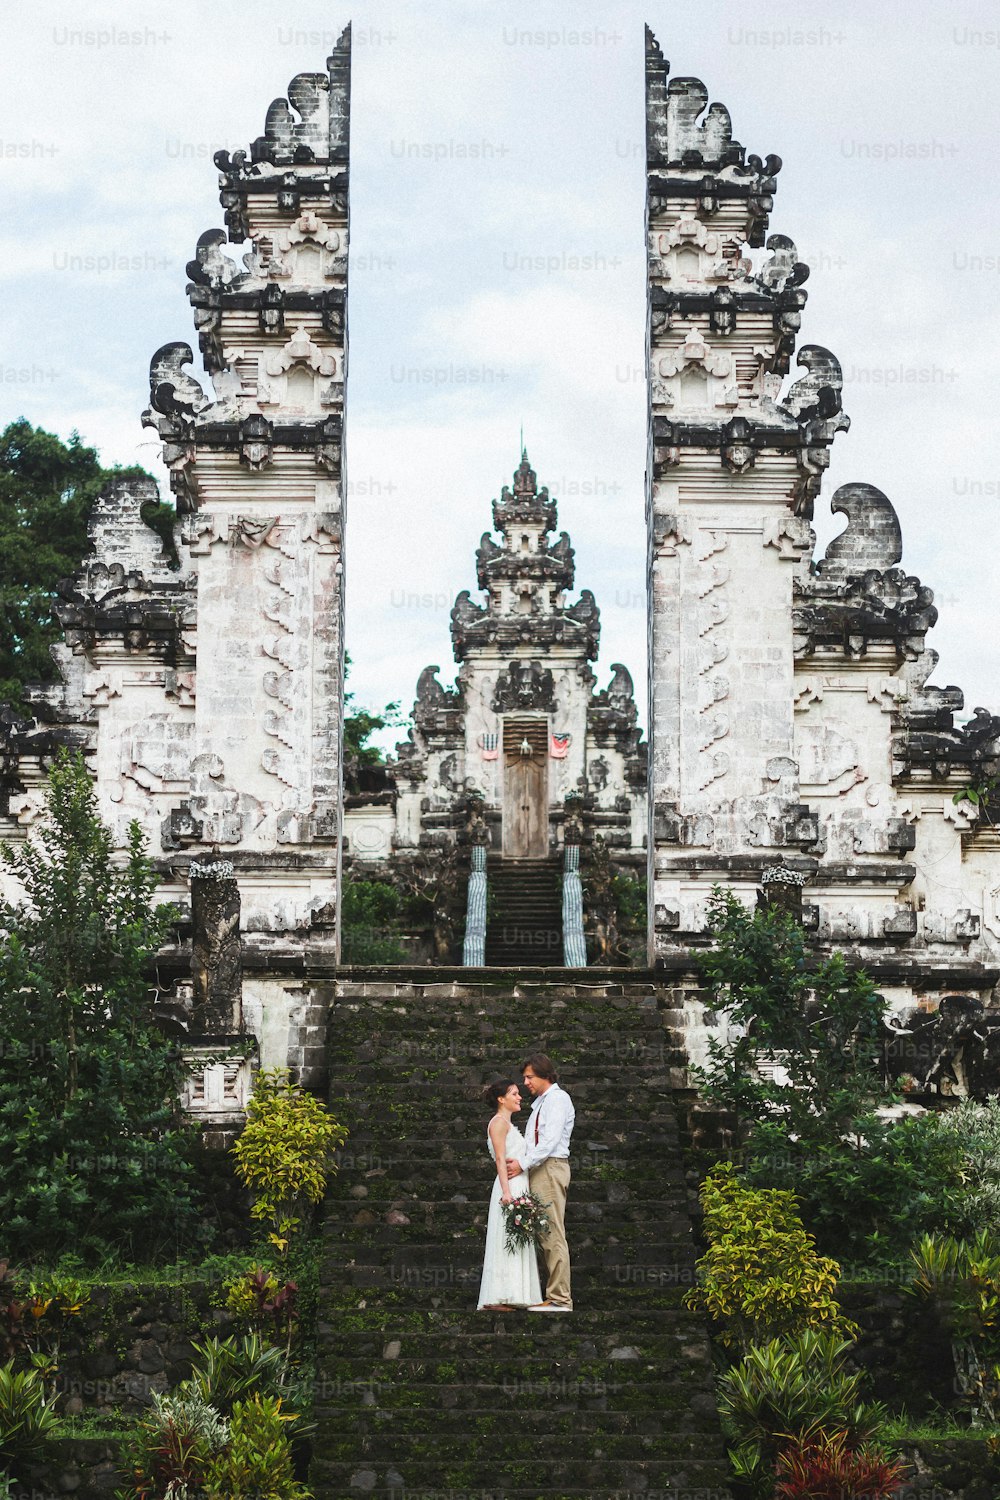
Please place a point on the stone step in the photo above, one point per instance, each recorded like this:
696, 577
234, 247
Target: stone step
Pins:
543, 1413
497, 1476
456, 1288
440, 1221
417, 1391
395, 1491
367, 1392
663, 1447
519, 1341
367, 1244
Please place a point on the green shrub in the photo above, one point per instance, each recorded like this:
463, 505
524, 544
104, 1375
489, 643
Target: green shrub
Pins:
285, 1153
820, 1021
95, 1150
25, 1418
975, 1130
963, 1278
828, 1468
761, 1276
172, 1451
869, 1196
791, 1390
369, 916
257, 1460
232, 1369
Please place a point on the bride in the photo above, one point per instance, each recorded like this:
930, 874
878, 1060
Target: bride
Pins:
509, 1279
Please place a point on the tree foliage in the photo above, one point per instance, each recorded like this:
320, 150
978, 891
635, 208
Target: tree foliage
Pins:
285, 1152
95, 1153
359, 726
47, 491
798, 1068
761, 1277
803, 1032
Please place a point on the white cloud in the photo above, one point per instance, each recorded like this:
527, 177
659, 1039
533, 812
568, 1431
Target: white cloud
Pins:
131, 126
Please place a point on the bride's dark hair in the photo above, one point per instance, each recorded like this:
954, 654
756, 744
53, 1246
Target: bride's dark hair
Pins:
494, 1092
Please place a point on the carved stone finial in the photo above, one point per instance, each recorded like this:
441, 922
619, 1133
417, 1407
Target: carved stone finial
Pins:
872, 537
784, 268
817, 393
172, 391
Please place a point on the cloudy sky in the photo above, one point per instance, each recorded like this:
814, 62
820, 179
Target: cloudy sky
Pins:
497, 271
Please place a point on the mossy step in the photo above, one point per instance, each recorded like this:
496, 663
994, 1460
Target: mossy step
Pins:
403, 1448
635, 1218
536, 1418
387, 1322
685, 1368
437, 1274
598, 1178
458, 1294
684, 1342
533, 1492
496, 1474
637, 1054
673, 1403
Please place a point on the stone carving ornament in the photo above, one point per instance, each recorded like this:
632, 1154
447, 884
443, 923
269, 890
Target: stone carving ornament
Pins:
526, 686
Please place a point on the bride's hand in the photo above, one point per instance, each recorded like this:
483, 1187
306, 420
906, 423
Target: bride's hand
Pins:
506, 1198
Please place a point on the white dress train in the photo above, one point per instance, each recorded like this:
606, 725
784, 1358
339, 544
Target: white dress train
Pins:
508, 1278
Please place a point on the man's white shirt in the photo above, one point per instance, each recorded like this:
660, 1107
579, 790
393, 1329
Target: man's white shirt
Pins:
554, 1113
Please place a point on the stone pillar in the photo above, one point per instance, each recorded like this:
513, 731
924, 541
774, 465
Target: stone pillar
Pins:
782, 890
216, 949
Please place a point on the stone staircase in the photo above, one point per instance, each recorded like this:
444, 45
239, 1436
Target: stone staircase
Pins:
524, 923
418, 1395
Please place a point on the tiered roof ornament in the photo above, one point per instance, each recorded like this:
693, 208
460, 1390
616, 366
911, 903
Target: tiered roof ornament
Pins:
771, 671
526, 579
272, 334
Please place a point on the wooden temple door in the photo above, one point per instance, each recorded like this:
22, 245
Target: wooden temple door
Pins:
525, 788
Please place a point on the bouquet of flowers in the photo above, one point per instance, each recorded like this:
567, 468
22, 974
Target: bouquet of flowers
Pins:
526, 1221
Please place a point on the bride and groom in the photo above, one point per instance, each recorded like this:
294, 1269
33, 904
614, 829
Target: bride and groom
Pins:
537, 1161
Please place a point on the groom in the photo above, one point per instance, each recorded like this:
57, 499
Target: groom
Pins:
547, 1136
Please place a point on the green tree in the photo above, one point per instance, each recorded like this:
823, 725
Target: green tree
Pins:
359, 726
94, 1148
803, 1033
798, 1067
47, 491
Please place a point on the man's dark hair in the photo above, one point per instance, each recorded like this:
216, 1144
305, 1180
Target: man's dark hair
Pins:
542, 1066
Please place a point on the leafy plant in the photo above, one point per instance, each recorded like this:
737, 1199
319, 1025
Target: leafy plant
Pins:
974, 1130
285, 1153
761, 1275
963, 1277
229, 1370
369, 916
171, 1453
791, 1391
26, 1419
95, 1150
866, 1197
828, 1468
257, 1461
803, 1034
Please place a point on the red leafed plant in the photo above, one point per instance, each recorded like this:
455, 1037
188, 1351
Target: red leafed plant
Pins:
826, 1468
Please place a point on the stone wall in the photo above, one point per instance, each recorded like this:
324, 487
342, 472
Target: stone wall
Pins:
133, 1340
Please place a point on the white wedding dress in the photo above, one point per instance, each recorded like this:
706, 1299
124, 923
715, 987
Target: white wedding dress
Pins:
508, 1279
